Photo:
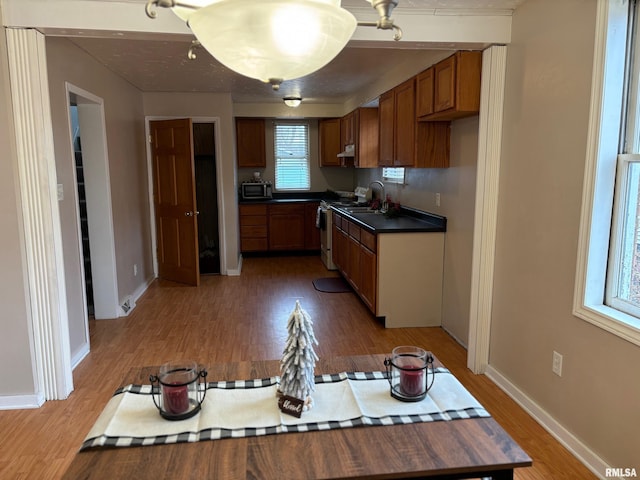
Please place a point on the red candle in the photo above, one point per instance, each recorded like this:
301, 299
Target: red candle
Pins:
412, 380
176, 399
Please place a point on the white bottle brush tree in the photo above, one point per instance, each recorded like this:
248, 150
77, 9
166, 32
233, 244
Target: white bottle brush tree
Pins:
299, 359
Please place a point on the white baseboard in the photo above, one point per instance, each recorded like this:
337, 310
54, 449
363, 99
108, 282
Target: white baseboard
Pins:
18, 402
78, 355
236, 272
581, 451
133, 298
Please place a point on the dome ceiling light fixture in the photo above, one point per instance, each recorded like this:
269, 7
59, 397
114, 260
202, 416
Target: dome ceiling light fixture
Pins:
292, 102
273, 40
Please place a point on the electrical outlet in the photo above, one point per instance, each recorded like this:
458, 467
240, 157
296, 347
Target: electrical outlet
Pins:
557, 364
437, 199
135, 269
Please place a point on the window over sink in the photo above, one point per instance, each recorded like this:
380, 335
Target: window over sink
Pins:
291, 141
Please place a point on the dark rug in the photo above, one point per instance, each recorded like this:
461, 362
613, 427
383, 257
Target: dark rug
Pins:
331, 285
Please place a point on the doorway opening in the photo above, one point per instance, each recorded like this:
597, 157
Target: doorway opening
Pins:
96, 291
204, 153
82, 207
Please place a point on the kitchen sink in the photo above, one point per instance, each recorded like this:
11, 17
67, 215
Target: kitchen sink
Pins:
361, 210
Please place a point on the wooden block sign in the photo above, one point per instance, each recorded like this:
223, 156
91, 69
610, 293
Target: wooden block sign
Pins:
291, 405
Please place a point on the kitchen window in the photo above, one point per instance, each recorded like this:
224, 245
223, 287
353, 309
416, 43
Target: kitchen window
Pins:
607, 291
393, 174
291, 142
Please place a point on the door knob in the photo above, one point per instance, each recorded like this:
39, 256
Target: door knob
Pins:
188, 214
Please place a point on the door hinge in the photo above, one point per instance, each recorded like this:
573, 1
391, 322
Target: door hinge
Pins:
150, 139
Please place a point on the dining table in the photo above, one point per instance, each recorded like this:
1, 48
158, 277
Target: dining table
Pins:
457, 448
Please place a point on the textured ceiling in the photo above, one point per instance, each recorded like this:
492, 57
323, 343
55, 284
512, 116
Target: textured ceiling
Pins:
163, 66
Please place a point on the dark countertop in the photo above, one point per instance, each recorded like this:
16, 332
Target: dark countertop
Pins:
302, 197
410, 220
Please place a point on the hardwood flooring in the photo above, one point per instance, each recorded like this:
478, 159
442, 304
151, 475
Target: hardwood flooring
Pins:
242, 318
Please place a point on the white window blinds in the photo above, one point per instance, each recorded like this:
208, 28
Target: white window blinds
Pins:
292, 156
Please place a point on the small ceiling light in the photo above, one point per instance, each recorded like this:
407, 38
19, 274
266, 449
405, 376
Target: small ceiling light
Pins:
272, 40
292, 101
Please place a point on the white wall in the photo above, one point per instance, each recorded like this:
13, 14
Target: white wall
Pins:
127, 165
548, 82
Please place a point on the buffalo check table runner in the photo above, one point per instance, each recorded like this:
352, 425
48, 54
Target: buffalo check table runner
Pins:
246, 408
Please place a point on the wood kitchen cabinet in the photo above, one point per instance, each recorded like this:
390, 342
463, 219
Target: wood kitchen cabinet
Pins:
451, 88
365, 127
347, 126
397, 124
253, 228
354, 255
286, 226
424, 92
404, 142
250, 143
278, 227
330, 145
397, 275
405, 124
311, 232
386, 122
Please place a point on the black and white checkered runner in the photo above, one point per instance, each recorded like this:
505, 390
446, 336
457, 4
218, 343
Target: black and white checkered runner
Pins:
242, 408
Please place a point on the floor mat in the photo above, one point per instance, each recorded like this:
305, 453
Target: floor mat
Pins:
331, 285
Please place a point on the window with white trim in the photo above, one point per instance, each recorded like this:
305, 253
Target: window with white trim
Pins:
291, 145
607, 290
393, 174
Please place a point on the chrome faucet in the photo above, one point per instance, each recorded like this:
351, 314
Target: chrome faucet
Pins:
383, 198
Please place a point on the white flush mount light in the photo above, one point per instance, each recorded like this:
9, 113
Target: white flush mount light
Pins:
292, 101
272, 40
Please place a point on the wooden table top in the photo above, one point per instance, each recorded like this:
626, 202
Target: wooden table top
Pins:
444, 449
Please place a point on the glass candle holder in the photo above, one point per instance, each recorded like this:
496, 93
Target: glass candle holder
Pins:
407, 372
178, 390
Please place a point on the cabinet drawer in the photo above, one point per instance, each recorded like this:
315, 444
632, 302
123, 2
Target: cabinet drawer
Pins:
287, 209
253, 231
259, 209
368, 239
246, 220
337, 220
254, 244
354, 231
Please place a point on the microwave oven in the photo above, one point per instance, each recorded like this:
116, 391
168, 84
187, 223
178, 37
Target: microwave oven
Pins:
256, 191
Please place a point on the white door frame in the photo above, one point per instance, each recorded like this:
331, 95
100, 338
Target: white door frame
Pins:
49, 326
494, 60
95, 160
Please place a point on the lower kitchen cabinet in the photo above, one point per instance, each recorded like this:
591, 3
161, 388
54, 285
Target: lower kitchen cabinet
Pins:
279, 227
399, 276
286, 226
253, 228
311, 232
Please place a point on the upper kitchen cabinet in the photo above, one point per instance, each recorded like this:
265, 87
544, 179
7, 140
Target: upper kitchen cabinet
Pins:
404, 142
347, 124
250, 142
397, 126
424, 92
329, 142
365, 131
451, 88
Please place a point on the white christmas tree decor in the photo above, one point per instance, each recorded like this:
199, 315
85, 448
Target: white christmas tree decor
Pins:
299, 359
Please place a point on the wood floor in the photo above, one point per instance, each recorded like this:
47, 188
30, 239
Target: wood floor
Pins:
242, 318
